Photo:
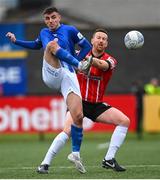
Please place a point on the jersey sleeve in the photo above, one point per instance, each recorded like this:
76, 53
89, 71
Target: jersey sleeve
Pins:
36, 44
38, 41
82, 42
76, 35
112, 62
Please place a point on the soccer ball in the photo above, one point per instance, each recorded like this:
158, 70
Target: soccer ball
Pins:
133, 40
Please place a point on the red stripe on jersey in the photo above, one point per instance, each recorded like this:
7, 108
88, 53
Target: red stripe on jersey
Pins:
94, 84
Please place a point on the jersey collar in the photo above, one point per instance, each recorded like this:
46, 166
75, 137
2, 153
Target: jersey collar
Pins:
99, 57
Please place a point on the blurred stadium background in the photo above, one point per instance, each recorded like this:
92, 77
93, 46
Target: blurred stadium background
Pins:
29, 111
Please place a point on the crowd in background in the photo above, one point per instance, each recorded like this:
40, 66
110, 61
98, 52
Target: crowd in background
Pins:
153, 87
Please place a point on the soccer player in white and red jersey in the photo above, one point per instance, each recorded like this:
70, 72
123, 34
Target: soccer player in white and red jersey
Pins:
93, 85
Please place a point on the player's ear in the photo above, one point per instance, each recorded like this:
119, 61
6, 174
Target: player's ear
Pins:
106, 45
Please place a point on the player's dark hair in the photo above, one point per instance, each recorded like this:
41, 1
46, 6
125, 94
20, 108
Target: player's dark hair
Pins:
50, 10
100, 30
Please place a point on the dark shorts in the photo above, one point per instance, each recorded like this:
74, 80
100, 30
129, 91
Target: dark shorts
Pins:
93, 110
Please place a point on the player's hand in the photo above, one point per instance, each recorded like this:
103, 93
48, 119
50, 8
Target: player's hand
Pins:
11, 36
85, 65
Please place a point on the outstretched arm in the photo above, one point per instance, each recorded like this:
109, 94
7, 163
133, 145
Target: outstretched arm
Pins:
100, 64
104, 65
26, 44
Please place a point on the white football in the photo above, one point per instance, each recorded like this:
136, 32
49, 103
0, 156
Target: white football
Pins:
134, 39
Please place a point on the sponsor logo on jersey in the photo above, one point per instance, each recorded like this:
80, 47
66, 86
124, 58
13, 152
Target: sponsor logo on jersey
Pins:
80, 36
55, 35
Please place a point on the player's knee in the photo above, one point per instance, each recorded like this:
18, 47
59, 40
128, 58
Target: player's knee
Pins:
125, 121
49, 45
78, 118
52, 46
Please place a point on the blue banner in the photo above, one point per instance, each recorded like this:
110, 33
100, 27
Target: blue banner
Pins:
17, 29
13, 77
13, 71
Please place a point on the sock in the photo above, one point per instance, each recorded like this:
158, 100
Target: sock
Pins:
64, 55
77, 135
55, 147
117, 140
77, 154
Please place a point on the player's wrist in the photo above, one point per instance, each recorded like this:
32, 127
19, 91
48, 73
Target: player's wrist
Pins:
80, 65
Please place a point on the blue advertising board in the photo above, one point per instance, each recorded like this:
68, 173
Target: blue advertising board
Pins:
17, 29
13, 77
13, 70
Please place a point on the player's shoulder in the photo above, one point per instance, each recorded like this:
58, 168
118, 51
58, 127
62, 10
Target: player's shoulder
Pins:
69, 27
107, 56
44, 30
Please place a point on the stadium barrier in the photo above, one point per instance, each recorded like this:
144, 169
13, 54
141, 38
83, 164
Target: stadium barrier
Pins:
33, 114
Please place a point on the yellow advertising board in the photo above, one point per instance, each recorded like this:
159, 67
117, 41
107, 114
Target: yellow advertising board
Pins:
151, 116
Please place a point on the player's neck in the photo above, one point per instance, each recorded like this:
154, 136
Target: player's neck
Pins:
55, 28
58, 26
97, 53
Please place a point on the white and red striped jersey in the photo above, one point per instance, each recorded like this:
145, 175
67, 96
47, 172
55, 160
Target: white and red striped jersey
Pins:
93, 85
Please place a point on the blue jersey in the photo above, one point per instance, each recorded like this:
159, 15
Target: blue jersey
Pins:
67, 36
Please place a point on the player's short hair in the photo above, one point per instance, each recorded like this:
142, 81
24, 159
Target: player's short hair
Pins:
100, 30
50, 10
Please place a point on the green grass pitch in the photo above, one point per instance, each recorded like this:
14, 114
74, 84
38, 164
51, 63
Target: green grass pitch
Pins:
21, 154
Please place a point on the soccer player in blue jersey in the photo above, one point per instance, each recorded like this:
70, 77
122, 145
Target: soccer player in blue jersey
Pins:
58, 41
